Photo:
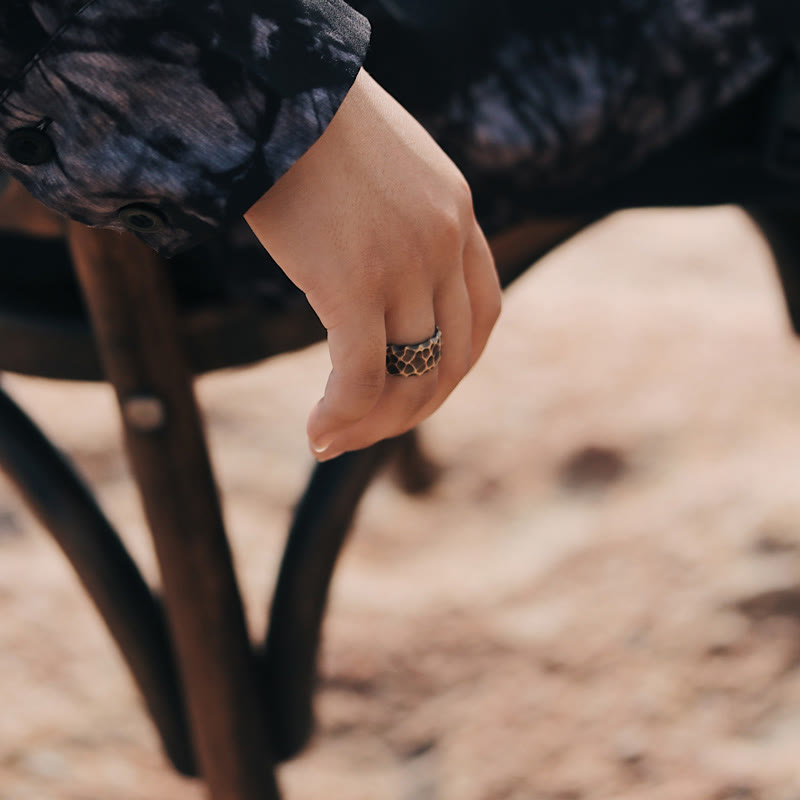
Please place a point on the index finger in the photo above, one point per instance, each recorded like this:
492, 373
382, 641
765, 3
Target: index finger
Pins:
358, 359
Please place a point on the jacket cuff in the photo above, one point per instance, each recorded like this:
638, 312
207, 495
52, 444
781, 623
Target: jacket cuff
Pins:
305, 52
134, 116
313, 76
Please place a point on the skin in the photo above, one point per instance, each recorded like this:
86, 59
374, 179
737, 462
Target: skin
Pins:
376, 225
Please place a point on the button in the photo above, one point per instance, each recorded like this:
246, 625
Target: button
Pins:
30, 146
142, 218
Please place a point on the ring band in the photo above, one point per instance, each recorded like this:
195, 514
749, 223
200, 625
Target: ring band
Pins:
414, 359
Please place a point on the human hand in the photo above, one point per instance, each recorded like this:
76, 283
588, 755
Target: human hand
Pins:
376, 225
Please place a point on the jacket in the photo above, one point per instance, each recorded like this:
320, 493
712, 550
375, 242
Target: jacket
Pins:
170, 118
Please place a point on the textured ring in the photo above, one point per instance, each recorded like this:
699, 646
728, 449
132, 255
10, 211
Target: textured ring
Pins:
414, 359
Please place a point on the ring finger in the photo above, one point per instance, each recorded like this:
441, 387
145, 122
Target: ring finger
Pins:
401, 397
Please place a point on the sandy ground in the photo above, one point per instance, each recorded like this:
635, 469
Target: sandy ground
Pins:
599, 599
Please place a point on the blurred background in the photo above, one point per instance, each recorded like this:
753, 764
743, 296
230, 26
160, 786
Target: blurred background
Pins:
598, 599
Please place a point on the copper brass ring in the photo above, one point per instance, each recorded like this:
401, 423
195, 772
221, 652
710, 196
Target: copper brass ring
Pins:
408, 360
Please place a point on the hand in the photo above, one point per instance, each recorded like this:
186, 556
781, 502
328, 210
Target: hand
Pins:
376, 225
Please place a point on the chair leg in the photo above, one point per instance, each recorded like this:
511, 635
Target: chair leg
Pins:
135, 324
414, 471
66, 507
321, 523
323, 518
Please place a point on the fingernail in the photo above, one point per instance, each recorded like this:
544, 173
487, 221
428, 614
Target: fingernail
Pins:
322, 444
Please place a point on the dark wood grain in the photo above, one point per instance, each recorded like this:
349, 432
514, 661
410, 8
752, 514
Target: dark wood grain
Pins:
319, 529
137, 332
66, 508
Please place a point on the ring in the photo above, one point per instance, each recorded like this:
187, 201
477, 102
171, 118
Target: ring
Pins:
414, 359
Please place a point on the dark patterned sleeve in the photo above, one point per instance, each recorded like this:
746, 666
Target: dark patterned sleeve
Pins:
168, 117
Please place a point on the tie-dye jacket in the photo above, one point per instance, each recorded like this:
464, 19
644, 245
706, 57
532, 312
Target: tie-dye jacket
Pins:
194, 108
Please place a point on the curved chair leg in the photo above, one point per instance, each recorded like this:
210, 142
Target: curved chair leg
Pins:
135, 324
66, 507
323, 518
414, 471
319, 529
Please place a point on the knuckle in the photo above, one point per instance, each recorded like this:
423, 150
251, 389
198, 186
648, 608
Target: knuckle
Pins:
495, 308
357, 396
346, 414
368, 282
449, 235
368, 384
415, 261
487, 312
463, 191
330, 308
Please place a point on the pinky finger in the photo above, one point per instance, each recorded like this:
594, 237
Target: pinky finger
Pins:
483, 286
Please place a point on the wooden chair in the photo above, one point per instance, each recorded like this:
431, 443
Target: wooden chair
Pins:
101, 306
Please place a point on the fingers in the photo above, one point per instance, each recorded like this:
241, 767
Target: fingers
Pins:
479, 291
362, 404
341, 422
404, 398
390, 417
454, 312
483, 285
358, 359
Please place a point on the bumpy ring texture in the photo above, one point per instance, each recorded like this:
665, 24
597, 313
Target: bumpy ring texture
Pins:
414, 359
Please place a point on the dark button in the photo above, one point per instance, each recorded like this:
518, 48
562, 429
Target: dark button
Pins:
29, 146
142, 218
